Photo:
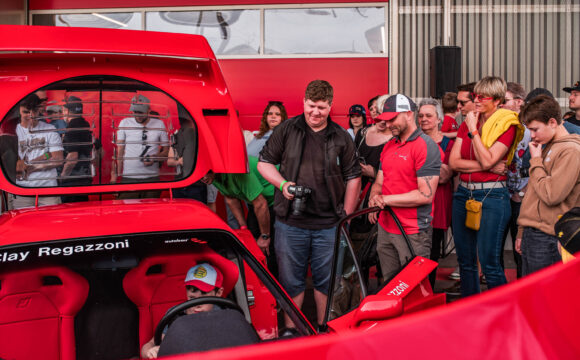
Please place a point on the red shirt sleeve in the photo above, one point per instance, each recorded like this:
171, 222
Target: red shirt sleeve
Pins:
508, 137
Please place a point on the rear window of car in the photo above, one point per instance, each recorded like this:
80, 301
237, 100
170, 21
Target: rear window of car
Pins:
97, 130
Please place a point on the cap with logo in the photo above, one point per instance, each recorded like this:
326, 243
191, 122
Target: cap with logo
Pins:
204, 276
139, 103
74, 105
395, 105
357, 110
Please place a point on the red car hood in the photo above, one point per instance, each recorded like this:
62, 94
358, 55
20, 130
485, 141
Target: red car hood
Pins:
533, 318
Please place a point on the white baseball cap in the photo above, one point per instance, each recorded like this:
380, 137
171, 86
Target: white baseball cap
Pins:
395, 105
204, 276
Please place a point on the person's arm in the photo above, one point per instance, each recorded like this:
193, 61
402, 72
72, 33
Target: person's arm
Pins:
552, 189
117, 168
172, 159
457, 163
445, 174
70, 163
46, 161
235, 206
367, 170
273, 176
487, 158
376, 190
451, 135
157, 158
263, 215
150, 350
427, 185
351, 194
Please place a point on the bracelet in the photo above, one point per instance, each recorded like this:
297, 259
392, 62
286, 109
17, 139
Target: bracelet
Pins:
282, 185
475, 132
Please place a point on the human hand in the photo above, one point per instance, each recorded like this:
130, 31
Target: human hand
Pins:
152, 353
500, 168
518, 245
287, 195
373, 217
147, 161
535, 149
264, 245
367, 170
208, 178
471, 120
379, 200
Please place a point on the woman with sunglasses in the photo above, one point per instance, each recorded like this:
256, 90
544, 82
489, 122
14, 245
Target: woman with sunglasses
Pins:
484, 146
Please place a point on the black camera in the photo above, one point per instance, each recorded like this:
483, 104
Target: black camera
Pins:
301, 194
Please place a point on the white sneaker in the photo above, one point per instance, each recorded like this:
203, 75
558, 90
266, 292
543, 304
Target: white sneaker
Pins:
455, 274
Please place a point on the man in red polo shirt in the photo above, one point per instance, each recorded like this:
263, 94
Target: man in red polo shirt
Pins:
406, 181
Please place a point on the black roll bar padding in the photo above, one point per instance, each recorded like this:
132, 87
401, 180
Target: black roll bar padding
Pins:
376, 209
339, 230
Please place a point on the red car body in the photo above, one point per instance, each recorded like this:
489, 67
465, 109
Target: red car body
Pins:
61, 263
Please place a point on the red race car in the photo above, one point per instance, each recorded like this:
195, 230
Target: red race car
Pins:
98, 278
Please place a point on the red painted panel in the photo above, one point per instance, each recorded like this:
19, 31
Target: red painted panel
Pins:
102, 4
11, 5
253, 82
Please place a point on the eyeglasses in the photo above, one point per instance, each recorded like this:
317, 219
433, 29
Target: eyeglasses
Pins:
463, 102
480, 97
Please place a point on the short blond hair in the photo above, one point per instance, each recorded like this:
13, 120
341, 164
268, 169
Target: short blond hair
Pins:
493, 86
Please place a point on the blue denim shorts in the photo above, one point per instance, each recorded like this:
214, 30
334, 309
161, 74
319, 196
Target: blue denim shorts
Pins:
294, 247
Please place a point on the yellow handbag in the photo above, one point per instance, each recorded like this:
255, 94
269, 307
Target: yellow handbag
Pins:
473, 217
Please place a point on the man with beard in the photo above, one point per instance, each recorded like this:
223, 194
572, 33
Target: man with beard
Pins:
141, 143
406, 181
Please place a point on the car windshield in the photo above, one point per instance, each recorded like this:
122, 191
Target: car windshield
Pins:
117, 288
97, 130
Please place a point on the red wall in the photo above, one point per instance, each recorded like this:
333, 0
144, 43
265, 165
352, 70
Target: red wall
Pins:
253, 82
79, 4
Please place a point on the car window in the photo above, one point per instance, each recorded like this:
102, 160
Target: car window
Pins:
348, 289
131, 278
97, 130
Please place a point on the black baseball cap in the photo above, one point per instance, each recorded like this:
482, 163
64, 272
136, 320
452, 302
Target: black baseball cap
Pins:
357, 110
74, 105
576, 87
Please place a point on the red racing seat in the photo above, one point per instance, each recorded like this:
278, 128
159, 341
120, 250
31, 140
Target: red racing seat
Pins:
155, 290
37, 311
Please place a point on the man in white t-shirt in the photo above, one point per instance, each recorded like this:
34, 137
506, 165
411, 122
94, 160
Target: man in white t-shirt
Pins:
142, 143
40, 152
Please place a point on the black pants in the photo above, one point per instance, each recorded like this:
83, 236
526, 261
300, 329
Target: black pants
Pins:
436, 245
512, 227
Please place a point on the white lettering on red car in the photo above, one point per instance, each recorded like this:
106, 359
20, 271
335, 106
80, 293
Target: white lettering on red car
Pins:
13, 256
399, 289
69, 250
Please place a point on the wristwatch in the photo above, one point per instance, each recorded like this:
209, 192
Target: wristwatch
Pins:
472, 134
265, 236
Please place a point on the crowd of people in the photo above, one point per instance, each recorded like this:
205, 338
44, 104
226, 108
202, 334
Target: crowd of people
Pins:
488, 160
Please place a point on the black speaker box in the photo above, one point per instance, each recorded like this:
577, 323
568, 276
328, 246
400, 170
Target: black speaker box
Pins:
444, 70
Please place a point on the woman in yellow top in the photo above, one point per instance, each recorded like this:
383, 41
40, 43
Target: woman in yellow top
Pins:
485, 143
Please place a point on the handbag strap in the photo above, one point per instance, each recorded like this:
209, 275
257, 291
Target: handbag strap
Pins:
471, 187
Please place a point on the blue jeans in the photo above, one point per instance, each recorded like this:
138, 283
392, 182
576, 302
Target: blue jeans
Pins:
487, 242
294, 246
539, 250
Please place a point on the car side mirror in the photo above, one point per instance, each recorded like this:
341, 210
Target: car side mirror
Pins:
377, 308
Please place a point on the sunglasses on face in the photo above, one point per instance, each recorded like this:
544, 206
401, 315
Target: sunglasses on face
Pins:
480, 97
464, 102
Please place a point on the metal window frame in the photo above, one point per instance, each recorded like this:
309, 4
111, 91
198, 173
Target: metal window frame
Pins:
261, 8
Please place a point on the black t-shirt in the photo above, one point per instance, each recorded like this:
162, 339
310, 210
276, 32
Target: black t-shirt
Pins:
371, 154
318, 213
574, 120
79, 141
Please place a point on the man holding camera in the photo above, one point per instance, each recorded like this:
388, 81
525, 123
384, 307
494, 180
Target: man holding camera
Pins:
319, 181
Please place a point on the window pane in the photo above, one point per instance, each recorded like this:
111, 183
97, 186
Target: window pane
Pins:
94, 130
325, 31
235, 32
131, 21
